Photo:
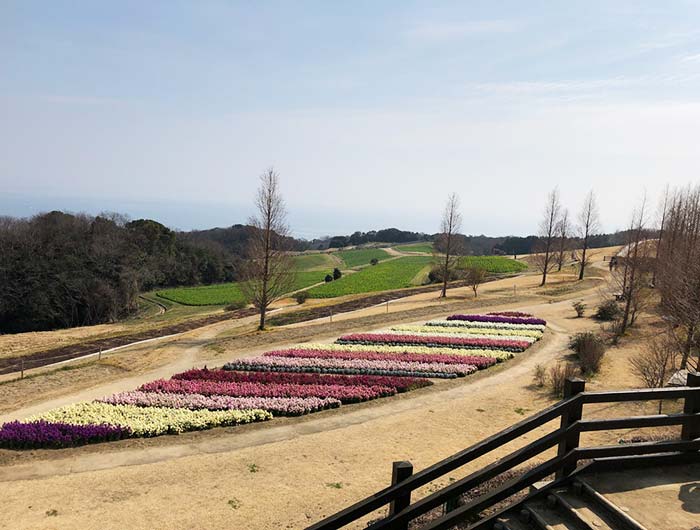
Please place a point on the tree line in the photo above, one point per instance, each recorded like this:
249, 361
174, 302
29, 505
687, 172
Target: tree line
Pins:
62, 270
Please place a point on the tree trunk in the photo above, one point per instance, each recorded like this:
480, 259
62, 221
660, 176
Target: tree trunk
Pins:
583, 262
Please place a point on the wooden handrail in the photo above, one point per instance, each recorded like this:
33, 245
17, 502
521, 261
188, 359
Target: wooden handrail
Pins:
567, 436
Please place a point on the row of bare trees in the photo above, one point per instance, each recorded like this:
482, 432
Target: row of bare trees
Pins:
556, 233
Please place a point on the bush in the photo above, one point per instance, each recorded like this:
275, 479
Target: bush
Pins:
558, 375
579, 307
590, 349
608, 311
234, 306
540, 375
301, 297
328, 278
337, 274
373, 261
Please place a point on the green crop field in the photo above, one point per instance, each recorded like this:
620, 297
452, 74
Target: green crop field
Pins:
426, 247
494, 264
312, 262
361, 256
228, 293
392, 274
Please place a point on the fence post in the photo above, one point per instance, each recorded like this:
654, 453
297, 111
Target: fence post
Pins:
400, 471
21, 363
99, 355
691, 431
572, 386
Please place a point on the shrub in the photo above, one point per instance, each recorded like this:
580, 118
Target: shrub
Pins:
558, 375
579, 307
337, 274
328, 278
608, 310
234, 306
301, 297
373, 261
590, 349
540, 375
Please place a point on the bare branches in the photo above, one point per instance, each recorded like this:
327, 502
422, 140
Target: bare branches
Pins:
654, 365
588, 225
563, 241
678, 269
543, 258
448, 242
267, 273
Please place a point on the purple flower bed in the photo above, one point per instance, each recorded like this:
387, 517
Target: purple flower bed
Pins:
496, 318
479, 362
345, 393
44, 434
286, 406
355, 366
401, 384
435, 341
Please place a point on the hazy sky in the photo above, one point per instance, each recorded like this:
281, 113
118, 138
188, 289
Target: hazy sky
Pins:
372, 112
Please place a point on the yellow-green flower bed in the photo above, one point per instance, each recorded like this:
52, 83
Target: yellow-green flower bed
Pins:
150, 421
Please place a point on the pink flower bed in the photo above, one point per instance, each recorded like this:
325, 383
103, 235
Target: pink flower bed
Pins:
479, 362
350, 366
427, 340
344, 393
401, 384
286, 406
496, 318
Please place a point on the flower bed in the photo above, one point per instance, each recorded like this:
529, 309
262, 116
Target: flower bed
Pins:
43, 434
499, 355
501, 319
449, 342
530, 335
448, 332
486, 325
479, 362
149, 421
353, 366
344, 393
280, 406
401, 384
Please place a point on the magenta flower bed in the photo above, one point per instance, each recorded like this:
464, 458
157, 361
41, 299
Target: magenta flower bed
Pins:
438, 341
354, 366
510, 314
479, 362
496, 318
44, 434
344, 393
401, 384
279, 406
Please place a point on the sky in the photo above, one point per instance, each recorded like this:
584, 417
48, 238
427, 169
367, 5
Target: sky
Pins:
372, 112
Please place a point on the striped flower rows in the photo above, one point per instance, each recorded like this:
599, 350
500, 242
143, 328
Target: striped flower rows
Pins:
484, 325
396, 339
289, 382
530, 335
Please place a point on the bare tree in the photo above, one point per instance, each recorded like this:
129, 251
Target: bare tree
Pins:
448, 242
588, 225
664, 210
474, 276
634, 280
656, 363
544, 256
678, 266
563, 232
267, 273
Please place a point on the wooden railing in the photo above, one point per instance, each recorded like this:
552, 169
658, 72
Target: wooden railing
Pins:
567, 438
